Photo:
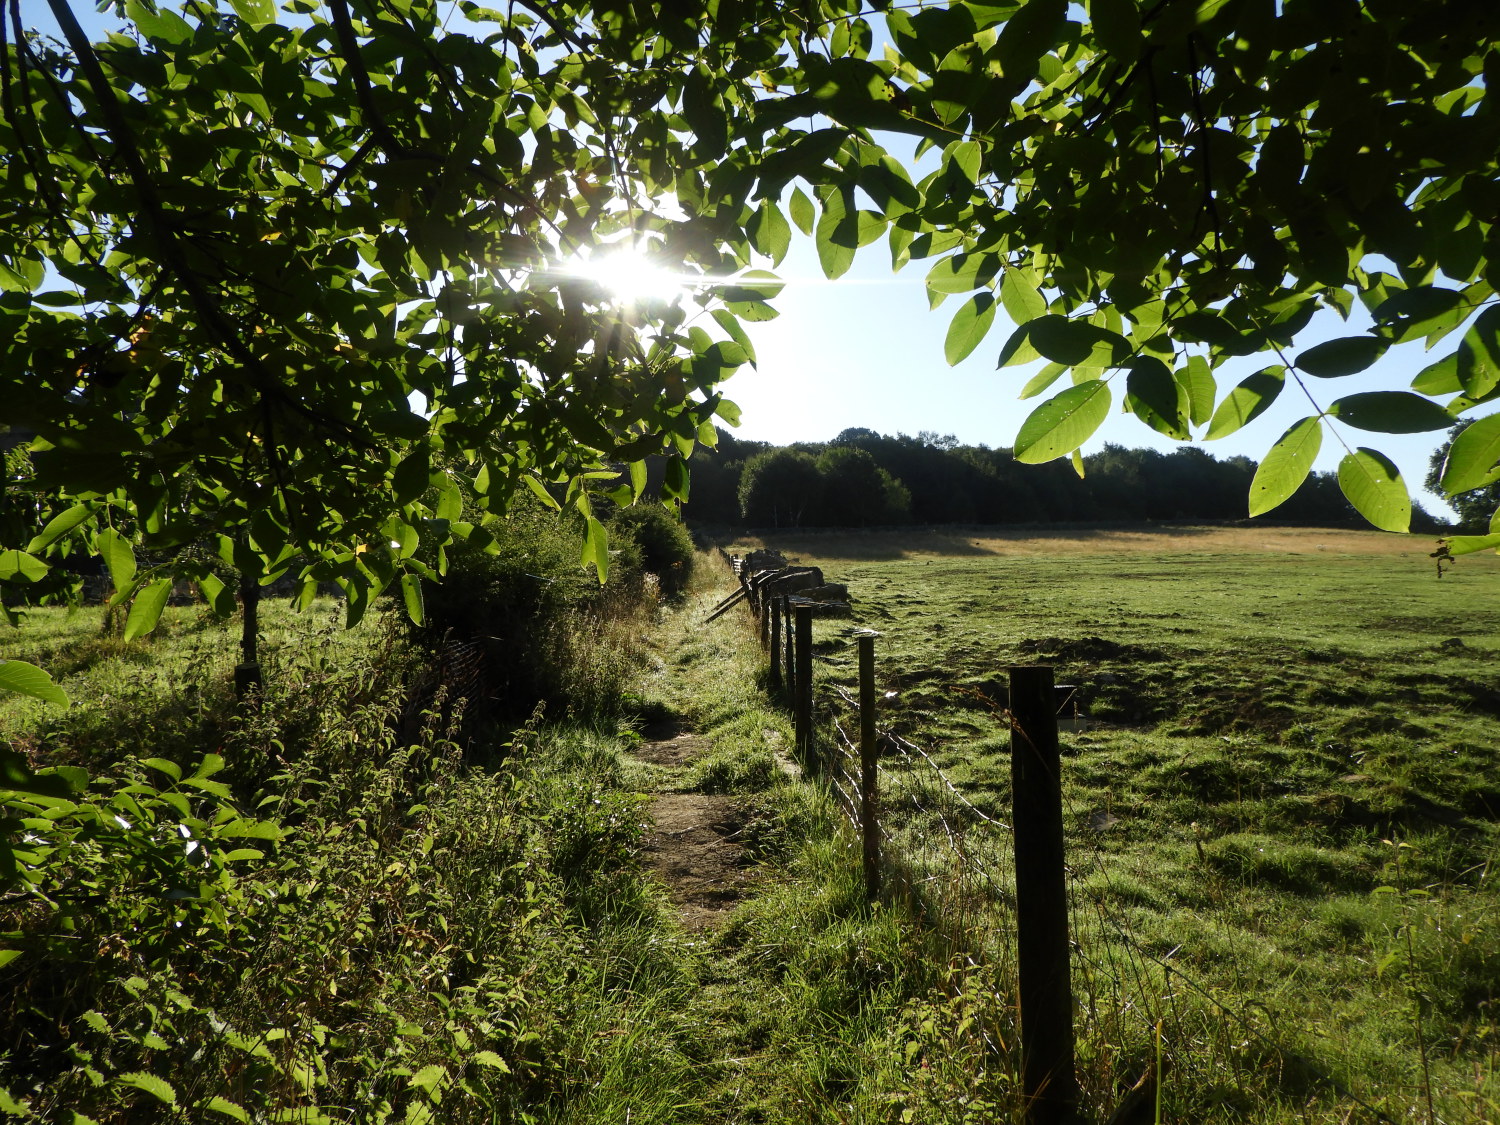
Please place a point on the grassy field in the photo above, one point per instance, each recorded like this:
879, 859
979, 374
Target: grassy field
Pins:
1282, 822
1283, 811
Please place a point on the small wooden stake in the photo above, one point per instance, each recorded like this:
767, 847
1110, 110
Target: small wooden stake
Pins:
1048, 1079
802, 707
786, 634
773, 611
868, 816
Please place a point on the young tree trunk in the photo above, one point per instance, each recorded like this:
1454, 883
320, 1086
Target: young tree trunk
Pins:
247, 672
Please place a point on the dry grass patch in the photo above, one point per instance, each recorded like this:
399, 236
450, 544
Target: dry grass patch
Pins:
1052, 542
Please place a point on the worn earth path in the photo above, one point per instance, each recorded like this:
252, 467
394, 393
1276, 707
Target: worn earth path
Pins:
693, 846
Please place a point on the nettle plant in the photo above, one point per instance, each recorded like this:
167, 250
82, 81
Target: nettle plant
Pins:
241, 243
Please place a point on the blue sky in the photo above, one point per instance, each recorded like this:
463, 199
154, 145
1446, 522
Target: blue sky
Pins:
866, 351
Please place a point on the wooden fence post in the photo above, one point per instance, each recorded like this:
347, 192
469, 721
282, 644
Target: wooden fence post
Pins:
868, 822
773, 611
1048, 1079
763, 621
787, 640
802, 702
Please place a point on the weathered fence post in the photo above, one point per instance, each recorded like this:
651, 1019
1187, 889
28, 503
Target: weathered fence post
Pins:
787, 640
868, 822
773, 611
802, 702
1048, 1079
763, 620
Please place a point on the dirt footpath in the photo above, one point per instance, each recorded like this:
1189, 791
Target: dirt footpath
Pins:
693, 846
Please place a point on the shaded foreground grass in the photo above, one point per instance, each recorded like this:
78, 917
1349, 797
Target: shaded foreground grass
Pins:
1283, 819
427, 932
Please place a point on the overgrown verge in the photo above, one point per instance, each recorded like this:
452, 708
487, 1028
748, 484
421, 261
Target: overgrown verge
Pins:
317, 906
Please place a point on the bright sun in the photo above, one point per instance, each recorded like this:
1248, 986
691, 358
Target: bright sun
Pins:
632, 275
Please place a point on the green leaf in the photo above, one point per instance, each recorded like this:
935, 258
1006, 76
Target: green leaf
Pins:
396, 423
1474, 457
802, 211
1028, 35
675, 478
1391, 412
1374, 486
223, 1105
164, 25
969, 326
145, 610
450, 503
27, 679
1155, 396
219, 596
1344, 356
836, 237
1440, 378
965, 159
1063, 423
411, 593
211, 764
1470, 544
959, 273
59, 783
1077, 342
1019, 295
250, 830
1197, 379
409, 480
489, 1058
1286, 466
1479, 354
158, 1088
254, 12
1019, 349
769, 231
171, 769
356, 600
119, 558
1043, 379
540, 491
727, 320
1117, 26
1247, 402
429, 1077
18, 565
596, 549
58, 526
1411, 313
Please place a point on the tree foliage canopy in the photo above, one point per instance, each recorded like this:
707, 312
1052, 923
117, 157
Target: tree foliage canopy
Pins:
238, 241
239, 244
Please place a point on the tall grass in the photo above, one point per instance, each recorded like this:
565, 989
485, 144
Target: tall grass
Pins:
316, 905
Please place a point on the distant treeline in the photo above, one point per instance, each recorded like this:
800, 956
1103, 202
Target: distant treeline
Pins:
864, 479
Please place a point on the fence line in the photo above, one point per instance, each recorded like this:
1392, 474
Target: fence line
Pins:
831, 762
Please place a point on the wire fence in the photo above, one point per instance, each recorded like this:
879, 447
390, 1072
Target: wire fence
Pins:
958, 863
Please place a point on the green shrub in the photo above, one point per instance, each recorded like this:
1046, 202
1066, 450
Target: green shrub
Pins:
663, 544
543, 627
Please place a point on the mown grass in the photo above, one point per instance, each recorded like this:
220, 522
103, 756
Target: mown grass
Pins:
1283, 824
